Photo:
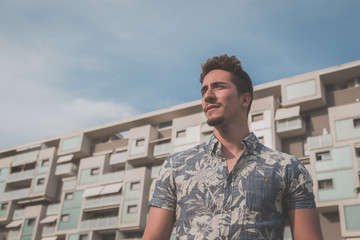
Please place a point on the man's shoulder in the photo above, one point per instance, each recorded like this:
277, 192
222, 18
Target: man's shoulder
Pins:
191, 153
270, 154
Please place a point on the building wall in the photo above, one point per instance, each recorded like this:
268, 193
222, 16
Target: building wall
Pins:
96, 183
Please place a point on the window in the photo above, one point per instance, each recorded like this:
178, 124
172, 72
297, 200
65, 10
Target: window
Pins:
132, 209
356, 122
257, 117
94, 171
134, 185
65, 218
140, 142
181, 133
69, 196
31, 222
83, 237
16, 169
306, 147
30, 166
165, 125
322, 156
40, 181
45, 162
307, 122
4, 206
325, 184
357, 150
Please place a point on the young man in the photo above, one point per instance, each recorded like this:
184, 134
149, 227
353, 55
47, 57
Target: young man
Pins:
231, 187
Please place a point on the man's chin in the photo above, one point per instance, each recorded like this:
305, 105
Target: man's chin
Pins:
215, 121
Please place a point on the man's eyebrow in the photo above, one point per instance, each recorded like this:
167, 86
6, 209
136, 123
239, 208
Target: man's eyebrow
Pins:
203, 88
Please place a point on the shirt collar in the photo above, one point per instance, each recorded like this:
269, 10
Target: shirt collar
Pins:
250, 143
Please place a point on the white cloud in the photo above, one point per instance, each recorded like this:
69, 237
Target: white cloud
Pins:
33, 106
33, 121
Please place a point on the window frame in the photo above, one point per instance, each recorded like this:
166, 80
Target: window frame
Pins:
326, 184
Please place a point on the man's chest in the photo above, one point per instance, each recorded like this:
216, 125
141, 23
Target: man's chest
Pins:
211, 187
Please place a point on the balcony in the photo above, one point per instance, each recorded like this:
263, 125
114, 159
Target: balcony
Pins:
15, 194
69, 185
112, 177
118, 158
319, 141
68, 169
14, 234
48, 229
305, 91
289, 123
99, 223
103, 201
24, 158
162, 148
53, 209
19, 214
20, 176
155, 170
290, 127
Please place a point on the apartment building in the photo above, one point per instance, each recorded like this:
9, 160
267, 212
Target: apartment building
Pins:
96, 183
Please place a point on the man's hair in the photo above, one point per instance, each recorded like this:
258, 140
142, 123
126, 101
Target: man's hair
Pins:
231, 64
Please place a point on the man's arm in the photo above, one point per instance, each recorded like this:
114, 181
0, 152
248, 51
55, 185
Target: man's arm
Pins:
305, 224
159, 225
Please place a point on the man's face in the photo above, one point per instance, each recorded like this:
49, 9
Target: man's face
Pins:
221, 101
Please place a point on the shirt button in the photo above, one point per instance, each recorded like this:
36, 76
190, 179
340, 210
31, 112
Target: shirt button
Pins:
229, 181
226, 208
223, 237
223, 159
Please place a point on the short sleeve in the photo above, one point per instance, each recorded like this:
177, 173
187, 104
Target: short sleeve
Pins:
299, 187
165, 191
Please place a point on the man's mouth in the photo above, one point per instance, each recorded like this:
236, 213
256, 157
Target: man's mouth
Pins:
211, 107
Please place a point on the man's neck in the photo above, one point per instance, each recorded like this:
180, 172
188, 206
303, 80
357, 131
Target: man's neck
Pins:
231, 139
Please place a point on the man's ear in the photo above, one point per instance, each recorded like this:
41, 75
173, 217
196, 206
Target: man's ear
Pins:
245, 99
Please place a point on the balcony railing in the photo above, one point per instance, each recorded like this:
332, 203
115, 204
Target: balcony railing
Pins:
48, 230
288, 124
163, 148
16, 194
319, 141
53, 209
99, 223
19, 176
155, 170
14, 235
18, 214
67, 168
290, 127
112, 177
105, 200
69, 185
26, 157
119, 157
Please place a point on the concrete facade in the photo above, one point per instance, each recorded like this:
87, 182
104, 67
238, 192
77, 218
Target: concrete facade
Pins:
96, 183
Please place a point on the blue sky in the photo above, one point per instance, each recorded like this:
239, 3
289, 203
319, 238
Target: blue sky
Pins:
71, 65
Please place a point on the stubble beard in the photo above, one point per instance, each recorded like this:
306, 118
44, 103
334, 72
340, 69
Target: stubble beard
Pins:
215, 121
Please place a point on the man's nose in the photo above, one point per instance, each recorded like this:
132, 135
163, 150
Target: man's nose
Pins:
209, 95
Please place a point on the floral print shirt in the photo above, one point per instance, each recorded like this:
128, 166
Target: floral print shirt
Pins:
250, 202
